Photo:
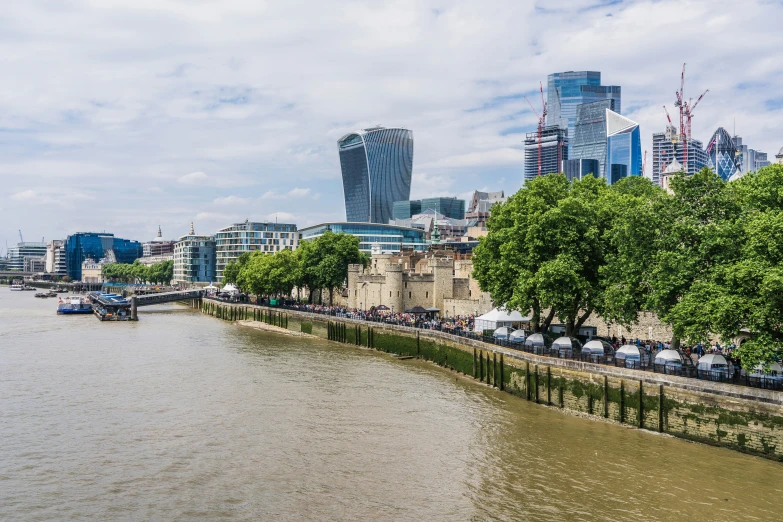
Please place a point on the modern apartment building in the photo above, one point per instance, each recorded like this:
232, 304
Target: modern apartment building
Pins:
233, 241
377, 165
194, 259
554, 151
567, 90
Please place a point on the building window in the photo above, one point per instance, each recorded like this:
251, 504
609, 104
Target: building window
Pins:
389, 293
409, 295
426, 295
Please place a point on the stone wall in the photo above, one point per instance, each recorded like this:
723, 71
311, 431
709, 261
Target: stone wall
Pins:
736, 417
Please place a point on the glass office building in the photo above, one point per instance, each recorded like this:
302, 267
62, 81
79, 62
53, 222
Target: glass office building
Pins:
377, 165
567, 90
722, 154
26, 249
554, 151
590, 133
576, 169
450, 207
392, 239
406, 209
97, 246
623, 146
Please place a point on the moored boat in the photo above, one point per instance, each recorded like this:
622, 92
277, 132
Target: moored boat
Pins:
74, 305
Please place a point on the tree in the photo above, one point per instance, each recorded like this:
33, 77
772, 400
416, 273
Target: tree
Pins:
323, 262
698, 232
231, 270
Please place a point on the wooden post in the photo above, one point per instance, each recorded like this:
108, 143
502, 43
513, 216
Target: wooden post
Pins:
536, 377
660, 408
134, 309
501, 371
527, 380
495, 369
622, 401
606, 397
475, 361
641, 405
418, 351
548, 385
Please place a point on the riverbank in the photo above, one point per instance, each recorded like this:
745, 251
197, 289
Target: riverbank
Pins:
744, 419
272, 328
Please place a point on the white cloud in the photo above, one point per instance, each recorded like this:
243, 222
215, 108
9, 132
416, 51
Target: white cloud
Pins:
231, 201
25, 195
194, 178
256, 96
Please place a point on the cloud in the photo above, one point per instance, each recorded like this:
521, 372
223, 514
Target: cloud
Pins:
25, 195
231, 201
194, 178
257, 96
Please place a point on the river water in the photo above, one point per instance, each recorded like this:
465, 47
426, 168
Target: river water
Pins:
185, 417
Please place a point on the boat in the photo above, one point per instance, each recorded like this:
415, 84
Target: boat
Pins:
41, 295
51, 294
110, 307
74, 305
17, 287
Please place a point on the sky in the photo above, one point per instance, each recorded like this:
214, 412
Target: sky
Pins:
124, 116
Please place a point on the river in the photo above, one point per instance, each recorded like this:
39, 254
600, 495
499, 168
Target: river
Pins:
185, 417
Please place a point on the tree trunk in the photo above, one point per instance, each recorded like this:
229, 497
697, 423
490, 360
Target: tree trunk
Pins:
548, 320
581, 321
309, 295
331, 292
536, 317
675, 343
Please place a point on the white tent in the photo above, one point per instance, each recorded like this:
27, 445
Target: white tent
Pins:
230, 289
497, 318
713, 361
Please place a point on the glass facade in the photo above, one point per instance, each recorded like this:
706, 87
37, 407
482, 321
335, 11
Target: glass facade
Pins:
233, 241
392, 239
96, 246
194, 259
18, 253
665, 150
554, 151
575, 169
590, 133
377, 165
406, 209
567, 90
623, 146
722, 154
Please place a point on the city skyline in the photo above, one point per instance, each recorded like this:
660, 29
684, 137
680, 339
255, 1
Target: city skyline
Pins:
183, 114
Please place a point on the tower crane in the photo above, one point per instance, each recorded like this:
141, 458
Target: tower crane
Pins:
20, 236
541, 121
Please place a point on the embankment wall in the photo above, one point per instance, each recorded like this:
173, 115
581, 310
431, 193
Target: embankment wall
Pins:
737, 417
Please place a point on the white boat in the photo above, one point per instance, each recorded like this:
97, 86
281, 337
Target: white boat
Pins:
17, 287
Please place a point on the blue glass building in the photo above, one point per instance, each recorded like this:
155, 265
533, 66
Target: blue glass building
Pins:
567, 90
723, 156
97, 246
377, 165
590, 134
391, 238
623, 146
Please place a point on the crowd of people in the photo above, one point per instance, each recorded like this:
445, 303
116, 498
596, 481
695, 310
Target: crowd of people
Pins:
429, 320
653, 347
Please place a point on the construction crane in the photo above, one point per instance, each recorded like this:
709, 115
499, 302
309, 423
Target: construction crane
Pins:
686, 113
20, 236
541, 121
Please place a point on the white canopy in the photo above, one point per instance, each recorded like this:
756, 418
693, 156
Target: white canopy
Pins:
517, 335
597, 347
231, 289
668, 357
496, 318
502, 332
629, 351
712, 360
774, 369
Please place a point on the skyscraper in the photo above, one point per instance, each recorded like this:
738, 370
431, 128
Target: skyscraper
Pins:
377, 165
554, 151
667, 147
98, 246
722, 154
567, 90
623, 146
589, 140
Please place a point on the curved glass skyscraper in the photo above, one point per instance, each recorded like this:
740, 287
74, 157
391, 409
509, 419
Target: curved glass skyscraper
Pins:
722, 154
377, 165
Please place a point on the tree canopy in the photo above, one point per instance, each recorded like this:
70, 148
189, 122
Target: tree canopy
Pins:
707, 259
159, 273
320, 264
